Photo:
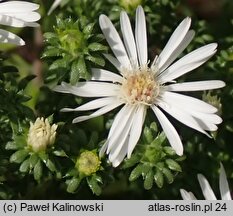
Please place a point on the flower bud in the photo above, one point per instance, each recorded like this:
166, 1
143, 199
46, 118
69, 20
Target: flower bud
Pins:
41, 134
88, 163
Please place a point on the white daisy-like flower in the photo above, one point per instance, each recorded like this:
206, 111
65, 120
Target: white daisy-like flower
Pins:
17, 14
139, 86
207, 190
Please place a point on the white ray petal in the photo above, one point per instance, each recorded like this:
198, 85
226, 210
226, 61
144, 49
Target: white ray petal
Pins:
114, 40
121, 139
205, 187
181, 116
99, 112
89, 89
223, 184
121, 155
170, 131
136, 128
17, 6
94, 104
120, 122
16, 21
187, 102
114, 61
54, 6
175, 40
188, 63
8, 37
141, 37
187, 195
128, 37
206, 117
104, 75
29, 16
196, 86
187, 39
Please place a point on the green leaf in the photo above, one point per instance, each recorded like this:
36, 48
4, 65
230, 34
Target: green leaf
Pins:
134, 159
43, 156
137, 171
73, 185
148, 182
148, 135
19, 156
93, 185
158, 177
88, 30
168, 174
60, 63
13, 146
38, 170
97, 47
60, 153
51, 51
33, 160
74, 73
51, 166
25, 166
173, 165
9, 69
81, 68
96, 59
169, 150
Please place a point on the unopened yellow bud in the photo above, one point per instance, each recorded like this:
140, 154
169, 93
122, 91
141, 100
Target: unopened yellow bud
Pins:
88, 163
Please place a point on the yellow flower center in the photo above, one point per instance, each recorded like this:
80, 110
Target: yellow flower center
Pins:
88, 163
139, 86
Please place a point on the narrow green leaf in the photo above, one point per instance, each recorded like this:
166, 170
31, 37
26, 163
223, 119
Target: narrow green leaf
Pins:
96, 59
38, 170
148, 182
158, 177
148, 135
51, 166
74, 73
19, 156
25, 166
33, 160
134, 159
94, 186
12, 146
168, 174
173, 165
73, 185
137, 171
88, 30
97, 47
60, 63
60, 153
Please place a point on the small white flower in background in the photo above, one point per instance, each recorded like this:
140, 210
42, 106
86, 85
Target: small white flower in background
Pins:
17, 14
55, 4
140, 86
41, 134
207, 190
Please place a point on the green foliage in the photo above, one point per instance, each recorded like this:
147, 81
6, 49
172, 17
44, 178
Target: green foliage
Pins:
74, 48
153, 160
73, 44
31, 162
